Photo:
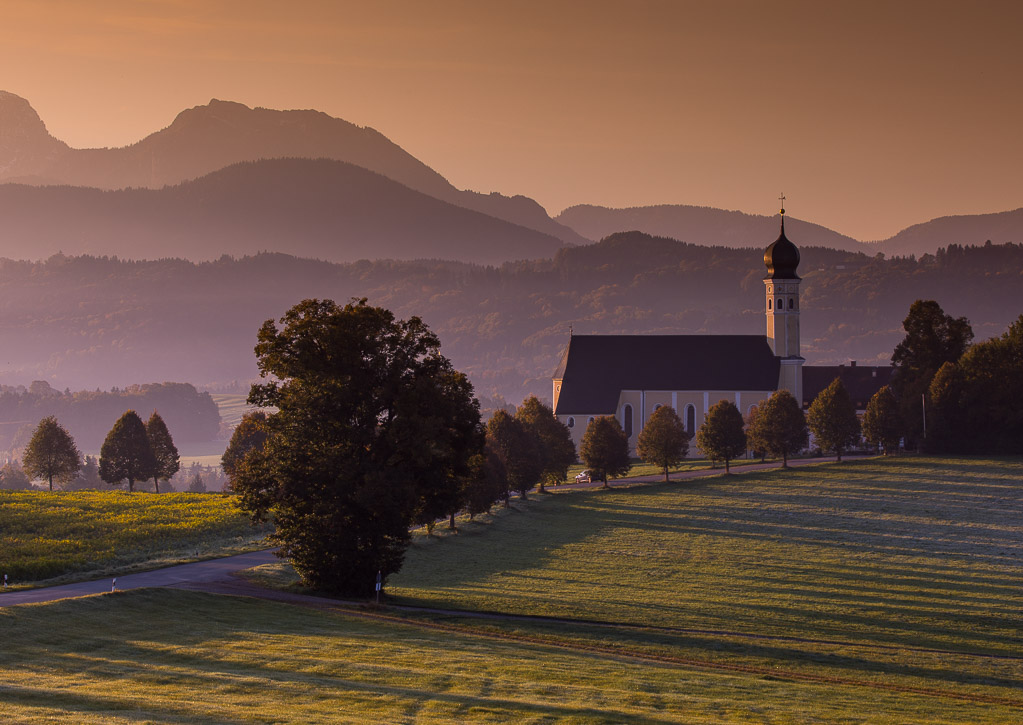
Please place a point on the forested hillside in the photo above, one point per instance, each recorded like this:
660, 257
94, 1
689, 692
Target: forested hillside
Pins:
190, 415
86, 322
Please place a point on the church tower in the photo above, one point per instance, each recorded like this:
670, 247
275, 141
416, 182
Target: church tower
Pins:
781, 287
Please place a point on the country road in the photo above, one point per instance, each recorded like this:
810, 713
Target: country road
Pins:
200, 573
196, 573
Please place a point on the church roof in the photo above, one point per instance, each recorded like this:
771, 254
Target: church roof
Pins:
861, 381
596, 368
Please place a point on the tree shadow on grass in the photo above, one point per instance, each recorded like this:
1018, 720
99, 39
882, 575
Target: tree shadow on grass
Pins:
947, 668
144, 645
70, 703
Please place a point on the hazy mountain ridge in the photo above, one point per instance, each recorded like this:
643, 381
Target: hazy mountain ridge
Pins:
719, 227
207, 138
84, 322
204, 139
998, 228
311, 208
706, 226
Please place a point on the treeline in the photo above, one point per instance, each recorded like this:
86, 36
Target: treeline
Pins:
949, 394
977, 400
194, 478
88, 415
87, 321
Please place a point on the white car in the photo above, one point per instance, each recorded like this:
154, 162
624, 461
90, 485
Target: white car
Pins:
584, 477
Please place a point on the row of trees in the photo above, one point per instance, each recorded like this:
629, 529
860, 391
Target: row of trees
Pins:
777, 428
133, 451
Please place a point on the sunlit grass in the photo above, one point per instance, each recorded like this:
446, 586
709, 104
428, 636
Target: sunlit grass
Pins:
901, 571
45, 535
870, 592
884, 545
171, 656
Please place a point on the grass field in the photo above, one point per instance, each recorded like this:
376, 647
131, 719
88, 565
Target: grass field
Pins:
45, 535
231, 406
859, 571
165, 656
880, 591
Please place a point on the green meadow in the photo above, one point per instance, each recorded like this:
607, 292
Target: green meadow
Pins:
81, 534
875, 591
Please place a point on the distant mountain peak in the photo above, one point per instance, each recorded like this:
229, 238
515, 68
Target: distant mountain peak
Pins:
25, 144
205, 138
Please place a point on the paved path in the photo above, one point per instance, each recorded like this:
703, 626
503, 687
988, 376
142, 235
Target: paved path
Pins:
738, 468
196, 573
203, 573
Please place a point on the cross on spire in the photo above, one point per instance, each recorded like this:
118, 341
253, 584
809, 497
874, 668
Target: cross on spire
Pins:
782, 198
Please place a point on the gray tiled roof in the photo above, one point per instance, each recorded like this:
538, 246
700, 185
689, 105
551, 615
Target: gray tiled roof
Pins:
596, 368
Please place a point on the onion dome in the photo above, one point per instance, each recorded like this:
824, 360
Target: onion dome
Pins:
781, 257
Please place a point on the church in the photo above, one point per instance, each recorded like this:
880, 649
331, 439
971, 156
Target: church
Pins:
630, 376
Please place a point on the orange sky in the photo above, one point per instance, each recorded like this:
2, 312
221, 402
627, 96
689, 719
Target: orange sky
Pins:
870, 116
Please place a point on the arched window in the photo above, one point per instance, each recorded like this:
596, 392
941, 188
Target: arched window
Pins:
690, 419
792, 303
769, 304
656, 407
627, 420
590, 420
571, 422
751, 411
781, 304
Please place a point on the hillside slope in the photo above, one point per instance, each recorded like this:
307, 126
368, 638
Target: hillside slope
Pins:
998, 228
311, 208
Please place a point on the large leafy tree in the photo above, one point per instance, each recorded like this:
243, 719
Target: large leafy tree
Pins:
557, 452
750, 426
371, 422
519, 450
882, 424
487, 481
442, 493
605, 448
933, 338
168, 462
945, 413
990, 415
779, 427
126, 452
663, 442
250, 434
832, 419
721, 437
52, 454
